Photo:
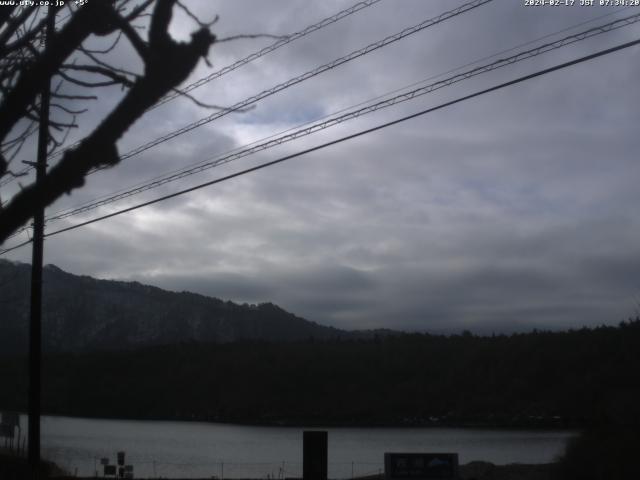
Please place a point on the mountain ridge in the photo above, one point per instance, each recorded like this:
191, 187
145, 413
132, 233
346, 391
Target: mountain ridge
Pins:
84, 313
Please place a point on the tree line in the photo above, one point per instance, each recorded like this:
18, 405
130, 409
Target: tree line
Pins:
539, 379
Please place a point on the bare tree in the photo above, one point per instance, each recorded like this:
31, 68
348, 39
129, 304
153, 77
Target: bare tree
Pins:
28, 63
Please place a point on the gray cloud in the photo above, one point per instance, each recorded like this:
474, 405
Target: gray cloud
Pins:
512, 211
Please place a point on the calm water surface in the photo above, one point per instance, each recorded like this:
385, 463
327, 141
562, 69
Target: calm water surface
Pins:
191, 449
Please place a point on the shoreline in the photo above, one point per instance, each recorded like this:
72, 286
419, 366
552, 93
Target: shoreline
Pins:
477, 470
534, 426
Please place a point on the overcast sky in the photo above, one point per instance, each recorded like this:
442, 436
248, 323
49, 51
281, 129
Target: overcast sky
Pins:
511, 211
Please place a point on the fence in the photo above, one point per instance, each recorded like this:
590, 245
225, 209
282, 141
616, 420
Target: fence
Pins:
218, 469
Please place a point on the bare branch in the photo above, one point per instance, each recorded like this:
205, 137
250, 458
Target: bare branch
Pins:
68, 110
17, 174
73, 97
167, 64
159, 29
26, 39
60, 126
31, 80
17, 138
12, 26
99, 70
61, 142
135, 39
82, 83
106, 50
105, 64
195, 18
138, 11
209, 105
18, 146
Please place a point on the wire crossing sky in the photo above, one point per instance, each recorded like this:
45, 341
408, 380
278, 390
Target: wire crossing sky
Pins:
308, 75
506, 213
229, 68
406, 96
447, 15
340, 140
279, 137
274, 46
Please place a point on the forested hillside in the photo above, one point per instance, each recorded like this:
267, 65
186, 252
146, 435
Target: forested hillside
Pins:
82, 313
560, 379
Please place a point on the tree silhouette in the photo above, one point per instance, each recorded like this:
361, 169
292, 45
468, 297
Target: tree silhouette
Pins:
28, 63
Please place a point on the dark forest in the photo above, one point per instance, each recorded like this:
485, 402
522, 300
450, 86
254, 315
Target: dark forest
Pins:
540, 379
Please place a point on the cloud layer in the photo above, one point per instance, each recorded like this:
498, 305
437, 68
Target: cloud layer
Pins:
513, 211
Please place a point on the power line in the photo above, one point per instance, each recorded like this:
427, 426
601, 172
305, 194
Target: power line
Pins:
306, 76
207, 163
247, 102
274, 46
229, 68
350, 115
15, 247
239, 153
11, 178
345, 138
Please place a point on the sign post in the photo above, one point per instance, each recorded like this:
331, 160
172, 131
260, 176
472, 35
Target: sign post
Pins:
10, 421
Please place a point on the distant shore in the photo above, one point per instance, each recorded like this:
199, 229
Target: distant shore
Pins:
16, 467
470, 471
542, 424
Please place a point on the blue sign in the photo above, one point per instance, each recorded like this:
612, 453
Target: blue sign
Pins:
420, 466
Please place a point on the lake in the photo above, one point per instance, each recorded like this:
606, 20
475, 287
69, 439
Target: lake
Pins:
194, 449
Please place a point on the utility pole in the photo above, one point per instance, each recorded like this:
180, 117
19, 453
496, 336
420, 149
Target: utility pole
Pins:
35, 324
